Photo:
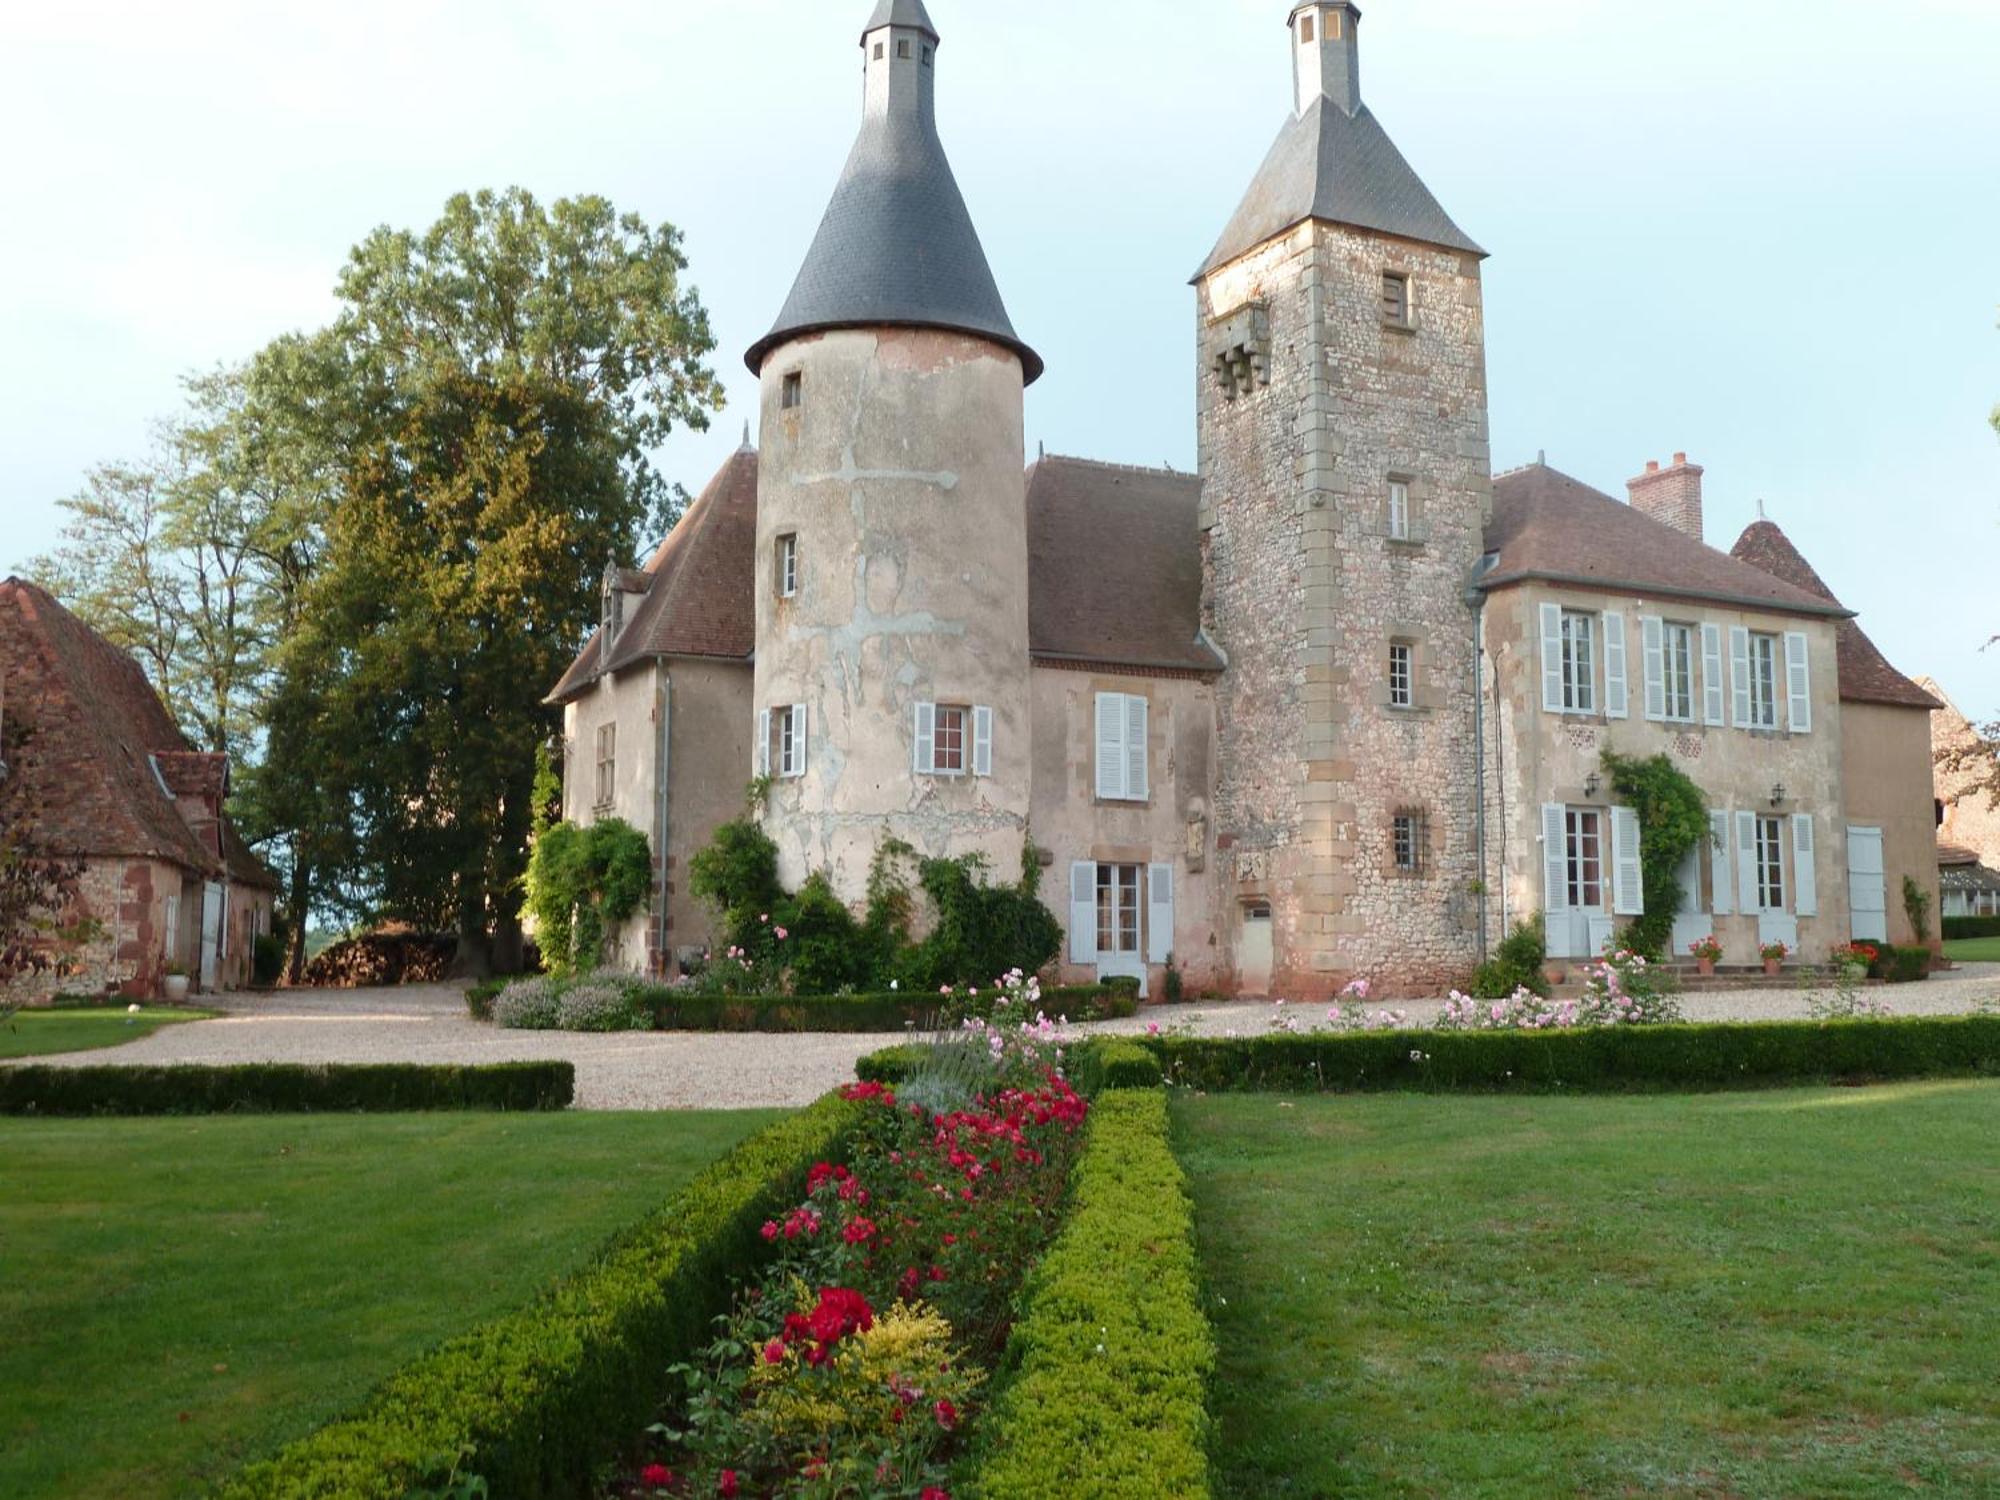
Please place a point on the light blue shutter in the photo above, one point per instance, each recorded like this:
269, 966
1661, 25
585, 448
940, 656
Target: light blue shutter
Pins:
1552, 658
1739, 672
1617, 690
1628, 880
1159, 913
1653, 634
1137, 784
926, 758
1746, 864
1083, 913
1555, 860
982, 742
1720, 863
1713, 693
1798, 681
797, 766
1805, 868
763, 752
1110, 747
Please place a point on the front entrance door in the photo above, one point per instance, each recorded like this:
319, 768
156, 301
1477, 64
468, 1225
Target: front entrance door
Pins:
1691, 922
1254, 950
1118, 952
1589, 913
213, 907
1867, 886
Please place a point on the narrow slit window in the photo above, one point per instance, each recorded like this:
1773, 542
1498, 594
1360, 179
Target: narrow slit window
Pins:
1399, 510
878, 52
788, 566
794, 394
927, 57
1396, 299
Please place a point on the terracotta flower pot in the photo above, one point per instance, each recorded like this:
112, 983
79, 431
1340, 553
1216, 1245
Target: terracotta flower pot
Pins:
1774, 966
1705, 967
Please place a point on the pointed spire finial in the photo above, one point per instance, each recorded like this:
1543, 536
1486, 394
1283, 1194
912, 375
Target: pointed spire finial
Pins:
746, 433
1760, 512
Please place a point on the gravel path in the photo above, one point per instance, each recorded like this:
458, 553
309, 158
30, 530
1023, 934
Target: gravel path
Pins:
654, 1070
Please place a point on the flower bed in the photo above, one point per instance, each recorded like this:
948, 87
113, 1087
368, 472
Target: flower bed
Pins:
855, 1363
528, 1403
275, 1088
1105, 1387
1600, 1058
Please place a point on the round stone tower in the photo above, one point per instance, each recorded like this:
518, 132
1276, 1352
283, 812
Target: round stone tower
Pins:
892, 573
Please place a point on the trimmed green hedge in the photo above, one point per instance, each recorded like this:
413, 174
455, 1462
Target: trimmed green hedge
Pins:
1903, 965
275, 1088
1103, 1394
1093, 1065
533, 1402
1591, 1059
675, 1010
1958, 928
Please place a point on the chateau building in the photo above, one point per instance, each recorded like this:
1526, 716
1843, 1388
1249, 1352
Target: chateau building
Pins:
1334, 707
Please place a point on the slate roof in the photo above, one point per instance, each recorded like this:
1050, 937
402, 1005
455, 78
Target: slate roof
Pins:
1328, 164
106, 758
1114, 566
1865, 673
700, 597
901, 13
897, 247
1551, 527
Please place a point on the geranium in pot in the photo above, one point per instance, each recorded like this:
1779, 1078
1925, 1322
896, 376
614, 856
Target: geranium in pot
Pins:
1774, 956
1707, 953
174, 984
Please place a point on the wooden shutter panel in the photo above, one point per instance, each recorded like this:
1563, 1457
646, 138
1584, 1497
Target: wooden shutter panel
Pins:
982, 742
764, 742
1110, 747
1555, 860
1798, 680
1653, 634
1083, 913
1720, 863
1552, 658
1628, 878
926, 757
1159, 913
798, 764
1805, 867
1137, 786
1713, 692
1617, 689
1751, 900
1739, 672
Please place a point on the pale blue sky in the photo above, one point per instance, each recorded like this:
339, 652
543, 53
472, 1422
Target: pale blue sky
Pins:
1764, 231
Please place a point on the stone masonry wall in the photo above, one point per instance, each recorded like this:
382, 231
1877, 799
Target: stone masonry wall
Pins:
1305, 591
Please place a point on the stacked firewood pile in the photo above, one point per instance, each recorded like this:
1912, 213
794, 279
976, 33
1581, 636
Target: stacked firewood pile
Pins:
379, 959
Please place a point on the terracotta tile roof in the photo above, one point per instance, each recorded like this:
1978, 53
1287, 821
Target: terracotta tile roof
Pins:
1549, 526
700, 597
1865, 673
1955, 854
105, 747
1114, 566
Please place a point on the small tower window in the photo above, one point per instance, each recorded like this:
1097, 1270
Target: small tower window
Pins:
1306, 30
1410, 833
1396, 299
927, 57
878, 52
1402, 675
793, 395
788, 566
1399, 510
903, 49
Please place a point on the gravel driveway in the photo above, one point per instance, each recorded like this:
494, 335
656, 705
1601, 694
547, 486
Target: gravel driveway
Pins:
657, 1070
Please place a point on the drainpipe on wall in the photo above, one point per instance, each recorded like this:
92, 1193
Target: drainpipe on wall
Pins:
1475, 600
661, 904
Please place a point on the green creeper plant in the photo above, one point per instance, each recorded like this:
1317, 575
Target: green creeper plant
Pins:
583, 882
1673, 819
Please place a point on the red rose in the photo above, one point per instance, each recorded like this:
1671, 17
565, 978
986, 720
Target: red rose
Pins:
726, 1485
932, 1492
946, 1414
774, 1352
656, 1476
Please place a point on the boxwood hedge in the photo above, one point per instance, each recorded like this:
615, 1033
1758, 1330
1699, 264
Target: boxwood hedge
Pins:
1958, 928
1602, 1059
530, 1401
1093, 1065
677, 1010
1103, 1392
275, 1088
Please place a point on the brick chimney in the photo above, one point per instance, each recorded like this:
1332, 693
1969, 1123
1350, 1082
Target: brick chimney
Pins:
1672, 494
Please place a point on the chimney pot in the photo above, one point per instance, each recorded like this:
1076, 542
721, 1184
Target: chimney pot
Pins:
1680, 460
1652, 466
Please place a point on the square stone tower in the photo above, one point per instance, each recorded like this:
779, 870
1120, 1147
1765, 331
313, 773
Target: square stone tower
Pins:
1346, 488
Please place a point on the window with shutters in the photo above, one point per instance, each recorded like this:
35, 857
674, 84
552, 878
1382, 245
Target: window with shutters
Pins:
1583, 829
1770, 864
1579, 662
788, 742
948, 740
1399, 510
1122, 745
1409, 835
787, 569
607, 765
1402, 675
1763, 681
1118, 908
1396, 299
1677, 670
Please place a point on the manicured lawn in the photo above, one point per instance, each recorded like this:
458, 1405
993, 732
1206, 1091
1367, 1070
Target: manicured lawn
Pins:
180, 1295
1729, 1295
43, 1033
1974, 951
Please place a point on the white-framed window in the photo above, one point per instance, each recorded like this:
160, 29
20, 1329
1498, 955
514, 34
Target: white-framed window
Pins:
1122, 735
954, 740
1763, 680
1399, 510
788, 565
1770, 864
1409, 833
781, 742
1579, 662
1677, 647
1584, 856
1402, 675
607, 764
1118, 908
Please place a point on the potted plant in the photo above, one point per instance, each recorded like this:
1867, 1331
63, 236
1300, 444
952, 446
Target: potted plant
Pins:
1774, 956
1707, 953
1856, 960
174, 984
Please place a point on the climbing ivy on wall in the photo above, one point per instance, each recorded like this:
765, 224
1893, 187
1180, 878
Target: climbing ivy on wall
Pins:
1673, 818
583, 883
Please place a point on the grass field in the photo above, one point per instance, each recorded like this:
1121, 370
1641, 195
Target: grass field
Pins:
180, 1295
43, 1033
1974, 951
1731, 1295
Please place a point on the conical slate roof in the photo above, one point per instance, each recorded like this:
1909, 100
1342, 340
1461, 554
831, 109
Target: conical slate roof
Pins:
1328, 164
897, 248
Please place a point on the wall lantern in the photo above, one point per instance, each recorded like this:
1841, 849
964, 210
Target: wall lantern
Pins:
1591, 785
1778, 795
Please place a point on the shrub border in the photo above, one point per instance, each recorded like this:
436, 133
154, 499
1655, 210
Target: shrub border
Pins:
1104, 1388
283, 1088
1606, 1059
673, 1010
532, 1401
1956, 929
